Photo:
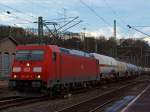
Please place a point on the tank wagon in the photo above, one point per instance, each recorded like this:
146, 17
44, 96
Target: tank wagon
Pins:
107, 66
53, 68
122, 70
146, 71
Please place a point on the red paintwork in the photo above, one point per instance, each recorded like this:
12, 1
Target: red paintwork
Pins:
65, 66
76, 66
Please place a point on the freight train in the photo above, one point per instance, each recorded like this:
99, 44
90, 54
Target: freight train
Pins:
55, 68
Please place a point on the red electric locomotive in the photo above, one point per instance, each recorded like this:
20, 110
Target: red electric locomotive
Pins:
49, 66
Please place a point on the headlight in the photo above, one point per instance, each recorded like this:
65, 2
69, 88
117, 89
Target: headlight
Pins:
27, 64
16, 69
15, 76
38, 76
37, 69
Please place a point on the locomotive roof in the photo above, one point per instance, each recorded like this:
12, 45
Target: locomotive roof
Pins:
56, 49
75, 52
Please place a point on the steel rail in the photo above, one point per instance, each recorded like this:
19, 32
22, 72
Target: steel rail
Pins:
97, 102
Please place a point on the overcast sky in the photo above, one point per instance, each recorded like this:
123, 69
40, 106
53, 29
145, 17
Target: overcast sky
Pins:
98, 20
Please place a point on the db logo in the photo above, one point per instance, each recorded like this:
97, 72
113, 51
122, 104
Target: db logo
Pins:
27, 69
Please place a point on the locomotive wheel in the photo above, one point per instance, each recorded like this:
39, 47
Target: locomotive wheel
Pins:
56, 90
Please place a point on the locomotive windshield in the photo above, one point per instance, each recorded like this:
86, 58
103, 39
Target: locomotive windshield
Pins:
29, 55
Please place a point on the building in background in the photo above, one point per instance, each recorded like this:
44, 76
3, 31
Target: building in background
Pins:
7, 52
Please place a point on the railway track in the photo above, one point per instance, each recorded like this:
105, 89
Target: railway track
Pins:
19, 101
90, 105
100, 86
98, 102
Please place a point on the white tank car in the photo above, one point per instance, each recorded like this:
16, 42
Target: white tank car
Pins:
146, 70
107, 65
132, 69
121, 68
140, 70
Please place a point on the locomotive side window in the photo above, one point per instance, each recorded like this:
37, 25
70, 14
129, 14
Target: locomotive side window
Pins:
29, 55
54, 56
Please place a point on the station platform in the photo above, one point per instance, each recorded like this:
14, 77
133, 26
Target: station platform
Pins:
141, 103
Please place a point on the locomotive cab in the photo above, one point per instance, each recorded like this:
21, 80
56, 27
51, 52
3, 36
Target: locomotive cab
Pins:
29, 67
